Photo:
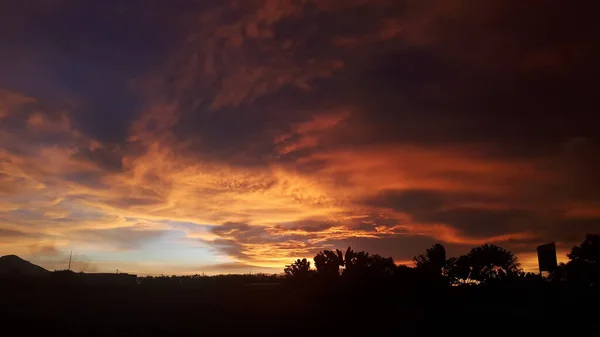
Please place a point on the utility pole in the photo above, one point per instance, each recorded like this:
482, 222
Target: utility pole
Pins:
70, 256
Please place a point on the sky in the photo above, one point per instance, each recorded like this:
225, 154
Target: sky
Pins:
184, 137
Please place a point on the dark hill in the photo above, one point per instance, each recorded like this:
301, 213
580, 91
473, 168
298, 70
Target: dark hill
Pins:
12, 265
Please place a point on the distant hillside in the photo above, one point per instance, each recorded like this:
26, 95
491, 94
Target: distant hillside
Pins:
12, 265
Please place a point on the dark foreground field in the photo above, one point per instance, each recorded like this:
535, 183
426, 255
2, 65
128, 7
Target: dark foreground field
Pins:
368, 310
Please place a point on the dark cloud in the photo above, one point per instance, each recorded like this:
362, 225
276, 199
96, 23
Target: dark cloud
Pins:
408, 200
45, 250
364, 226
419, 202
241, 231
245, 233
572, 231
229, 247
235, 235
121, 238
14, 234
429, 206
579, 163
56, 48
408, 92
457, 87
435, 207
445, 88
481, 222
309, 226
108, 159
133, 202
8, 184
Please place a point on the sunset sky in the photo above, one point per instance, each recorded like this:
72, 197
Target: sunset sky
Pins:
215, 136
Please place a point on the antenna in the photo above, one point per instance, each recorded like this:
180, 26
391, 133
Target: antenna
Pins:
70, 255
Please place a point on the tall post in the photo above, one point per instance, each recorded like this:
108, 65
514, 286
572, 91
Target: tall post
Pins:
70, 256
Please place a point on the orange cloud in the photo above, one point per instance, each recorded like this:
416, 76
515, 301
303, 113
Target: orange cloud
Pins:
373, 169
308, 134
165, 182
12, 101
37, 121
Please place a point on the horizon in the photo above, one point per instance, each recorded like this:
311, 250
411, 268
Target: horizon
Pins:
529, 267
208, 270
225, 136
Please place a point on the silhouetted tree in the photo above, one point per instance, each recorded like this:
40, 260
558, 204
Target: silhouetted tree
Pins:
458, 269
361, 264
299, 269
530, 279
404, 272
328, 262
491, 261
381, 266
434, 258
431, 267
584, 263
588, 251
356, 263
484, 264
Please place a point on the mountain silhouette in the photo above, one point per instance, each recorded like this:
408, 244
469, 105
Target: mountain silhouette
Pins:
12, 265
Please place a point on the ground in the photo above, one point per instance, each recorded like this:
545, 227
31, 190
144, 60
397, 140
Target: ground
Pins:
281, 310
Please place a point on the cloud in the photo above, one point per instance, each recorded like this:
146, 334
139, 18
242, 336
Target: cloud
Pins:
11, 234
120, 238
420, 201
271, 246
254, 244
239, 60
481, 222
472, 214
45, 250
11, 102
306, 226
310, 133
275, 129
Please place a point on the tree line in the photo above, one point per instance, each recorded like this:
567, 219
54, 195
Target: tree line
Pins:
486, 264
